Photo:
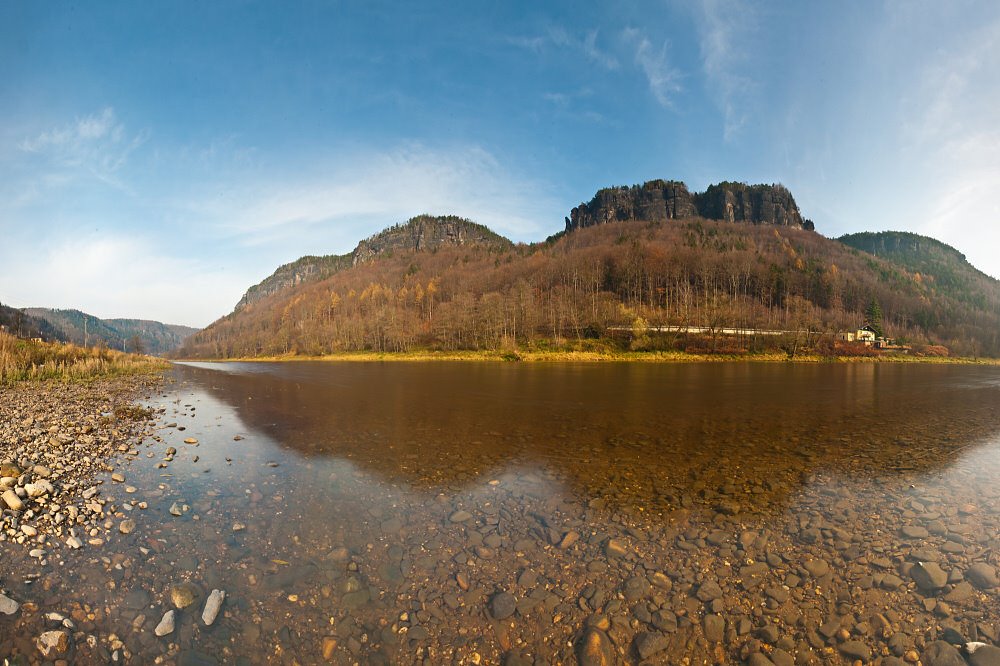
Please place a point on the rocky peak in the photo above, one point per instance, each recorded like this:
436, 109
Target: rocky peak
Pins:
659, 200
426, 232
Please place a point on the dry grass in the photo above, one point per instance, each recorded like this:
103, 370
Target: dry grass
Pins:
31, 360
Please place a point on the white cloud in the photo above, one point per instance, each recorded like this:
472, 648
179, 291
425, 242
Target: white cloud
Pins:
120, 276
724, 26
663, 79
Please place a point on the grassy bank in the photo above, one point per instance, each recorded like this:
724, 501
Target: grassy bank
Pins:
606, 356
34, 360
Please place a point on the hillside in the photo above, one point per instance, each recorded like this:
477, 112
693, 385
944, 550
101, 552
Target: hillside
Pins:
940, 267
21, 324
423, 232
150, 337
600, 285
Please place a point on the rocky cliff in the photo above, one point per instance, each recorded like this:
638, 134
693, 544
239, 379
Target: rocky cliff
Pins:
299, 271
424, 232
659, 200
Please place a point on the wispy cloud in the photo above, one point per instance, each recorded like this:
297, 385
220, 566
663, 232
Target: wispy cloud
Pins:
724, 27
97, 145
663, 79
951, 130
363, 193
597, 55
559, 37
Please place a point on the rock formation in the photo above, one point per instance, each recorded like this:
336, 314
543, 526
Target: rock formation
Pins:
426, 232
659, 200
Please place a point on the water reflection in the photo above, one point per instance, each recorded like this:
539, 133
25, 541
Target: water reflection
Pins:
655, 436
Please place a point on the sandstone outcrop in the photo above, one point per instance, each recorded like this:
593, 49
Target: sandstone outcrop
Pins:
659, 200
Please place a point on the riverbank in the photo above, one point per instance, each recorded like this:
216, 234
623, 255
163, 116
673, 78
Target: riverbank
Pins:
553, 356
62, 497
37, 360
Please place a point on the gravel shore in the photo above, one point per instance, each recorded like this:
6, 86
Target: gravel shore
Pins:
61, 491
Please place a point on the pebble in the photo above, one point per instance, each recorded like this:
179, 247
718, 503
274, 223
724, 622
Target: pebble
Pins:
328, 647
855, 650
981, 654
7, 605
460, 517
12, 501
53, 643
940, 653
928, 576
594, 649
74, 543
982, 575
502, 605
126, 526
166, 625
212, 606
183, 595
118, 478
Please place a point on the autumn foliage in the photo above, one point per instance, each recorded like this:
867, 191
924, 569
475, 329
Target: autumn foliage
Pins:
590, 286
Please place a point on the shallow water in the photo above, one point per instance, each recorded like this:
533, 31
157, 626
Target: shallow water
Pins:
377, 510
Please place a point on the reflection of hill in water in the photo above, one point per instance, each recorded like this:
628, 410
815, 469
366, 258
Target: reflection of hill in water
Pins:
659, 436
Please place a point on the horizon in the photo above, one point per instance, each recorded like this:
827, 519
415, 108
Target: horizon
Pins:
157, 160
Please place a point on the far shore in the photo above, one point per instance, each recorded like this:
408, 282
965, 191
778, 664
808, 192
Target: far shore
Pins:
536, 356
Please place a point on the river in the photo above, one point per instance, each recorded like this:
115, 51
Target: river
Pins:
542, 513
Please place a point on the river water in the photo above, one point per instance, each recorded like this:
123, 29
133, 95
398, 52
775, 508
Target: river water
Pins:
549, 513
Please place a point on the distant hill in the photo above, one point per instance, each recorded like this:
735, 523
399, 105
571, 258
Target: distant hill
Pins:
423, 232
608, 276
82, 328
20, 323
942, 268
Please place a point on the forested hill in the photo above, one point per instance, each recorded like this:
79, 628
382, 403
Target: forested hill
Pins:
943, 269
423, 232
19, 323
587, 285
140, 335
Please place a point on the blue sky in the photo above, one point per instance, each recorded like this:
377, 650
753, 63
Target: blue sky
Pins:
157, 158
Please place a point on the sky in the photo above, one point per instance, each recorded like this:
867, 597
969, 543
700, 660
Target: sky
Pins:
157, 158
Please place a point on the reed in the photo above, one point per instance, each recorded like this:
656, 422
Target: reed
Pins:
32, 360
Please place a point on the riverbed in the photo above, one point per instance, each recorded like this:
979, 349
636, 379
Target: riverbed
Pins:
539, 513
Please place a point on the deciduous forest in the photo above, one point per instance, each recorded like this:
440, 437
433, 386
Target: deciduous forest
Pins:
610, 286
